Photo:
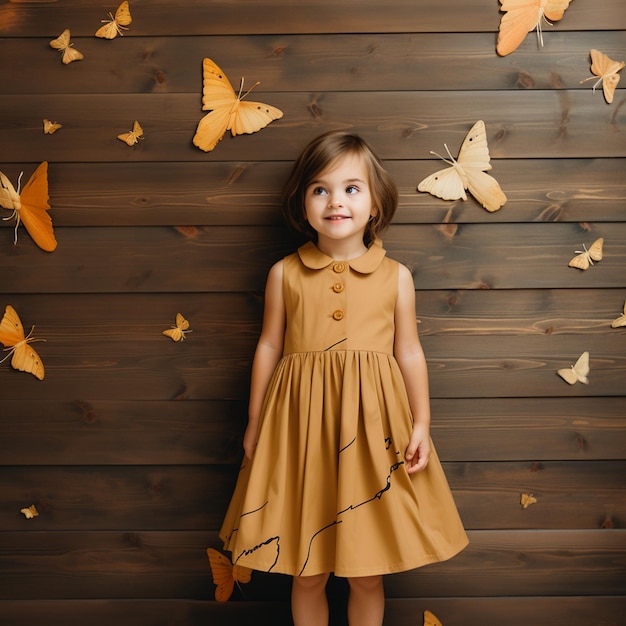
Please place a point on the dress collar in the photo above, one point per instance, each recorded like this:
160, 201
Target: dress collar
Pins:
315, 259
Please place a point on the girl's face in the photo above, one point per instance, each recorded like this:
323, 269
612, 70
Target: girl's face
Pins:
338, 203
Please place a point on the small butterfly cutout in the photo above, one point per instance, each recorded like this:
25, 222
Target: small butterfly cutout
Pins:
30, 511
178, 332
621, 320
467, 172
527, 499
25, 359
113, 27
132, 137
228, 109
430, 619
577, 372
49, 128
522, 16
68, 52
585, 258
225, 574
30, 206
607, 70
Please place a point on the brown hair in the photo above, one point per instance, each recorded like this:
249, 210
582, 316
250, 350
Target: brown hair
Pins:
317, 157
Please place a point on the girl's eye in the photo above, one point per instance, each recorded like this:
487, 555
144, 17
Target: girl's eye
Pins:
352, 189
318, 191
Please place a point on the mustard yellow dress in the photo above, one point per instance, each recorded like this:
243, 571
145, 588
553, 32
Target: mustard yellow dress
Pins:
327, 490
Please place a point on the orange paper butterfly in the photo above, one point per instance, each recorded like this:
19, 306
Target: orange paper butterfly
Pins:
133, 136
178, 332
49, 128
30, 512
522, 16
225, 574
25, 359
30, 206
467, 172
62, 43
585, 258
621, 320
607, 70
526, 499
228, 110
113, 27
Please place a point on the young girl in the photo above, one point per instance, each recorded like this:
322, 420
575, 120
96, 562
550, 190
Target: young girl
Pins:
339, 472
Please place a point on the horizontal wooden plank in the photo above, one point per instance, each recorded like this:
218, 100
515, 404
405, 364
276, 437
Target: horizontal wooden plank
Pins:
248, 193
219, 17
570, 494
401, 125
92, 565
162, 259
151, 432
361, 62
555, 611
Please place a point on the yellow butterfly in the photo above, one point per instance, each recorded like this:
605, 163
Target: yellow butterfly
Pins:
178, 332
607, 70
30, 206
621, 320
522, 16
228, 111
467, 172
62, 43
49, 128
30, 511
430, 619
526, 499
577, 372
113, 27
585, 257
133, 136
225, 574
25, 359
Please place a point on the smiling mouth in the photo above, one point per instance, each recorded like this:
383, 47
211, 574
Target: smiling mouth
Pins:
336, 218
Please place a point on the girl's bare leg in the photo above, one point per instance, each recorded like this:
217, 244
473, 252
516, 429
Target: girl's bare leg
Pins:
309, 605
366, 603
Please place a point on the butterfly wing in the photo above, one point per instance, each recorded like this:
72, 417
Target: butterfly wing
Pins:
555, 9
526, 499
216, 88
242, 574
607, 70
446, 184
253, 116
122, 15
430, 619
30, 511
474, 151
71, 54
580, 261
595, 250
25, 359
9, 198
181, 322
485, 189
34, 209
11, 329
175, 334
581, 368
108, 30
133, 136
222, 571
568, 375
520, 17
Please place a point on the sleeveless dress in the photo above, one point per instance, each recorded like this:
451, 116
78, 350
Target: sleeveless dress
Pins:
327, 490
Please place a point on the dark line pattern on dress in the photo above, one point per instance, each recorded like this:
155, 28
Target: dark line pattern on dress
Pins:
254, 510
347, 445
258, 547
377, 496
334, 344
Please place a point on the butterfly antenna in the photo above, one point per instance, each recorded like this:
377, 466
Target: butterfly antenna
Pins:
451, 162
258, 82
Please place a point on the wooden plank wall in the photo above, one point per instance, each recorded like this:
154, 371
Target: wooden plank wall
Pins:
130, 445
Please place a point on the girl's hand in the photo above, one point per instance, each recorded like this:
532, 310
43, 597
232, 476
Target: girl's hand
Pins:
249, 442
418, 450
